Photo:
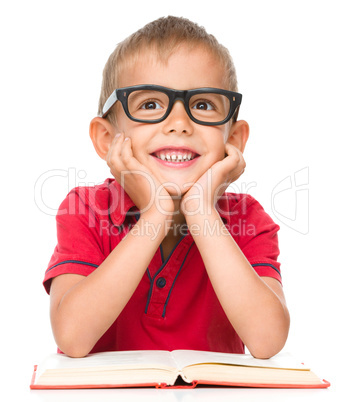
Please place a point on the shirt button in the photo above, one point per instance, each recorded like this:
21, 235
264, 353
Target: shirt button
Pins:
161, 282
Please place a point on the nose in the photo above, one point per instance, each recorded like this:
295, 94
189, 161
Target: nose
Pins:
178, 120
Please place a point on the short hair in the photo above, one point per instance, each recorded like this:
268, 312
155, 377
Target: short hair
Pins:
164, 36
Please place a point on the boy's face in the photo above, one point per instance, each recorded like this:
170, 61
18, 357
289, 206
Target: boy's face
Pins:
177, 134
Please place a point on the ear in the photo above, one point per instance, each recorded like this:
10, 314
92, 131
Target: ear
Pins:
238, 134
101, 133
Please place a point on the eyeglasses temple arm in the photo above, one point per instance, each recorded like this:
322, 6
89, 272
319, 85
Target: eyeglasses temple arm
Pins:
109, 103
235, 114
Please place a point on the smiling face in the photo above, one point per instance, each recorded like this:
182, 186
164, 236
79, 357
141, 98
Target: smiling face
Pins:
177, 150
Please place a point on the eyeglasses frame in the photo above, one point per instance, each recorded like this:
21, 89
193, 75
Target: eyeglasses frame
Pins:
121, 94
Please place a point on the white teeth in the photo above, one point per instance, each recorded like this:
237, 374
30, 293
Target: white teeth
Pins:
177, 158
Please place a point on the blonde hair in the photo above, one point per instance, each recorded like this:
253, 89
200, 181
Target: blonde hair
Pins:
162, 36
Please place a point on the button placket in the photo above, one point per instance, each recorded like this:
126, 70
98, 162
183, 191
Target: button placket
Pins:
163, 279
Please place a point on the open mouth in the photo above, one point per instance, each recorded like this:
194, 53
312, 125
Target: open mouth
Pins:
175, 155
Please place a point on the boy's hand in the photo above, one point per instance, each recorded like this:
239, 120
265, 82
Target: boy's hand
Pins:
138, 182
203, 195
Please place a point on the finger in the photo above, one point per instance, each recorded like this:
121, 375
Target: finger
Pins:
126, 149
234, 157
231, 150
114, 152
116, 146
128, 157
235, 162
117, 142
114, 142
129, 162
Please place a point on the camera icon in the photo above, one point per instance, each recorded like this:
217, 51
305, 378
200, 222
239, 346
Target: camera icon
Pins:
290, 201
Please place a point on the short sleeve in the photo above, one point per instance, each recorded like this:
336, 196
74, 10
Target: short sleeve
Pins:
78, 249
257, 236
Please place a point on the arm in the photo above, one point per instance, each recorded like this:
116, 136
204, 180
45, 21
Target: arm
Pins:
83, 308
255, 306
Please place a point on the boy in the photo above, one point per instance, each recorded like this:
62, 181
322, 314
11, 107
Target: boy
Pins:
161, 257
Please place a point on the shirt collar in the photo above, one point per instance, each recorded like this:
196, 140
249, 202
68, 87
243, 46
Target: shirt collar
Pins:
121, 204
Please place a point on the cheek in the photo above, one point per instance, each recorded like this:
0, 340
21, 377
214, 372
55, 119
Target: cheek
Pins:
225, 133
224, 136
220, 145
139, 141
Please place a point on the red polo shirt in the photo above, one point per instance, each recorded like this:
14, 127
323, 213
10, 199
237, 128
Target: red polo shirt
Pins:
174, 306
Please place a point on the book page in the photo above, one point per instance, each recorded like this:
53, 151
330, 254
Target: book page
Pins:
116, 360
185, 358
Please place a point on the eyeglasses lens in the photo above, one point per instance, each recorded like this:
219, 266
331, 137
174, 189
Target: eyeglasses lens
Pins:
152, 105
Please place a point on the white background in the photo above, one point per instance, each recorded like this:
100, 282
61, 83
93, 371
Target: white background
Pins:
287, 56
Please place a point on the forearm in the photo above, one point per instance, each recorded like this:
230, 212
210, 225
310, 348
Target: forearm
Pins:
90, 307
256, 312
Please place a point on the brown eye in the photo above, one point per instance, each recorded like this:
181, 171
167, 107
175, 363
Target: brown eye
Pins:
202, 105
151, 105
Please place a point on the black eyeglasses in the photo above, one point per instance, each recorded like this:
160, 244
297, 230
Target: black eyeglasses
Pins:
153, 103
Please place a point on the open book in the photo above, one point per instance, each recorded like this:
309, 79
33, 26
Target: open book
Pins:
178, 368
